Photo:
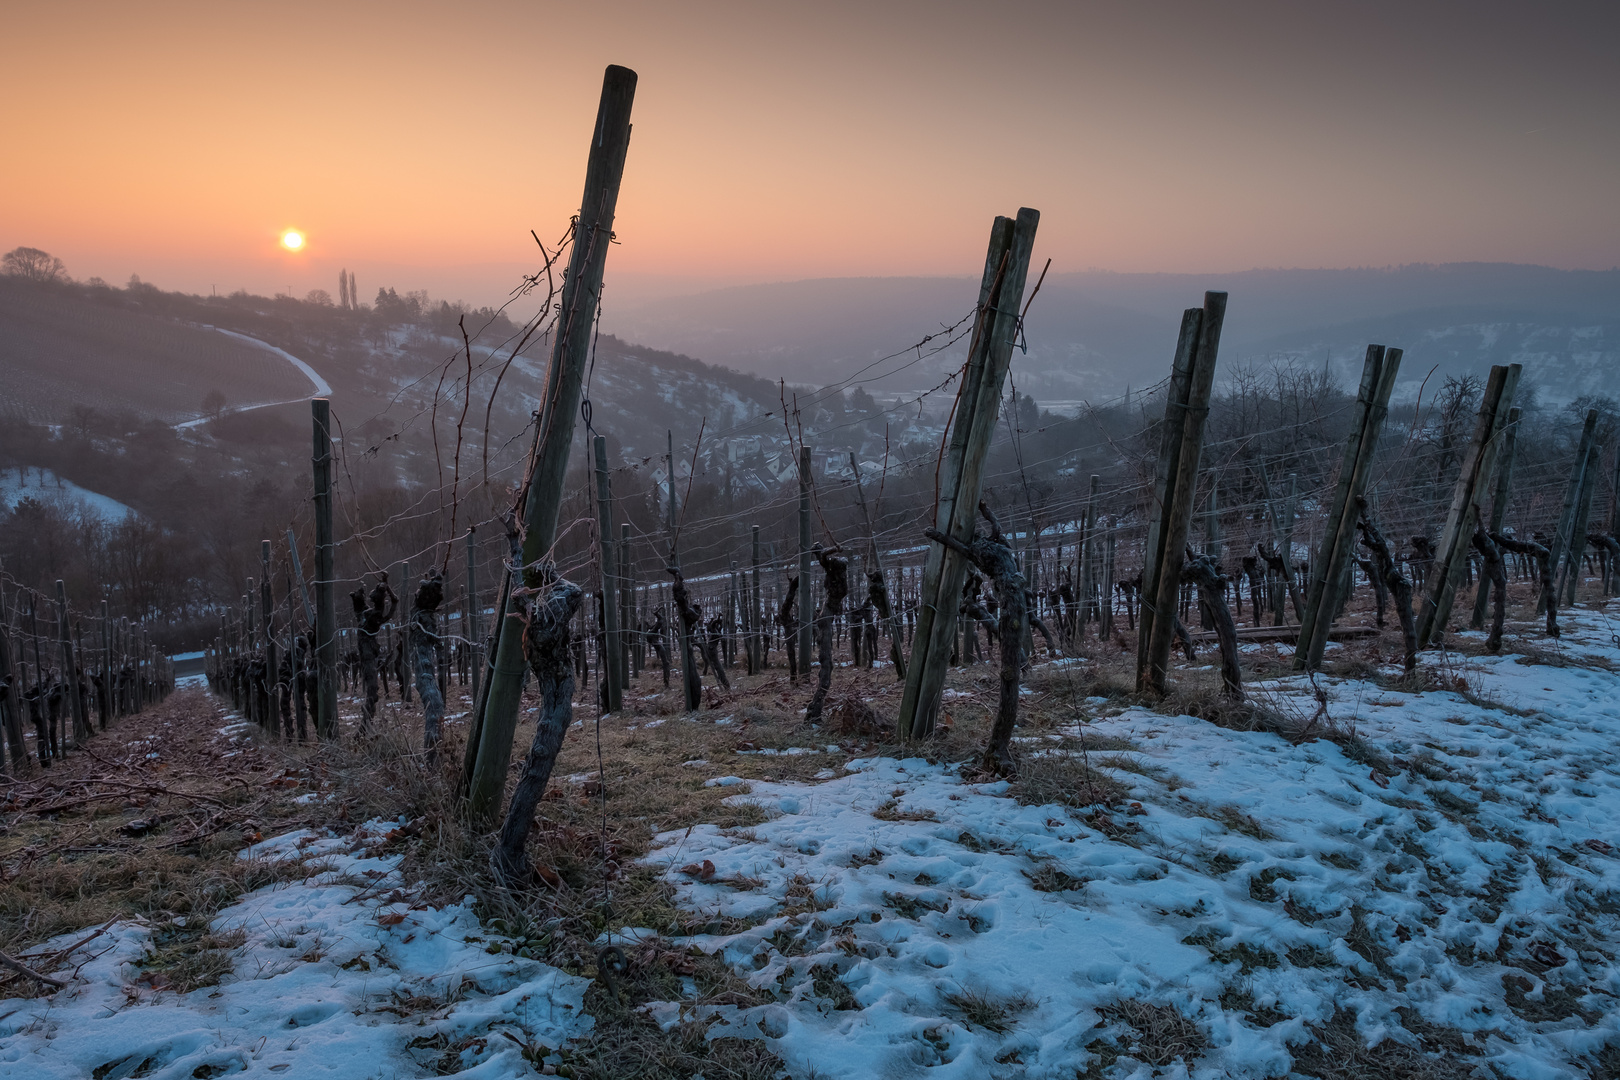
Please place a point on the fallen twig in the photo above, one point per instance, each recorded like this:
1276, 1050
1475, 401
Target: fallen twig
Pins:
23, 969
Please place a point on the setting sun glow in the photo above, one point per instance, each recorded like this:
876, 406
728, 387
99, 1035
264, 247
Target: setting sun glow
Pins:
292, 240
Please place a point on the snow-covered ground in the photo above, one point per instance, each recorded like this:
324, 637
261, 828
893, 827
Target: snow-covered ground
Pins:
338, 976
1453, 883
1465, 880
43, 484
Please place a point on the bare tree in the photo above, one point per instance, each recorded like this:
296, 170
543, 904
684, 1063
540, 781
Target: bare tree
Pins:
32, 264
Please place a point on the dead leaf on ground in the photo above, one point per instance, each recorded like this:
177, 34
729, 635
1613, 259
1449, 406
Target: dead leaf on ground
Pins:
703, 871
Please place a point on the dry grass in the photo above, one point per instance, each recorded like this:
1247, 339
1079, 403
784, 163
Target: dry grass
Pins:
990, 1012
1338, 1052
110, 833
1066, 779
1155, 1034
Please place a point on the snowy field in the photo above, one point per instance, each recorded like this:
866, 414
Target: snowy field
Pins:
1463, 884
338, 976
1441, 901
21, 483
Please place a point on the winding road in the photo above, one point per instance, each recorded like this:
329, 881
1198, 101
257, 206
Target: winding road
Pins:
322, 388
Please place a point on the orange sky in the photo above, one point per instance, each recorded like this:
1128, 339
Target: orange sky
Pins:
418, 143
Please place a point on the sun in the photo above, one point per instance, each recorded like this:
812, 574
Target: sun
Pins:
292, 240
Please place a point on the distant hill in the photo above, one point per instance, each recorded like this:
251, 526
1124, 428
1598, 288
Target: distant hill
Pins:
62, 347
1092, 334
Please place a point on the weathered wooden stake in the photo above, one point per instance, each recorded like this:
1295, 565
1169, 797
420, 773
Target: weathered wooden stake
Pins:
1001, 292
806, 609
1571, 579
326, 658
627, 610
1331, 563
70, 667
1611, 585
13, 702
271, 667
1478, 471
582, 288
1186, 412
473, 630
757, 636
612, 672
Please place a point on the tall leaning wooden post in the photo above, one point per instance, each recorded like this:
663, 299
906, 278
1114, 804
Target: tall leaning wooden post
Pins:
1456, 540
1331, 566
1164, 489
582, 287
612, 672
326, 688
1193, 374
1001, 293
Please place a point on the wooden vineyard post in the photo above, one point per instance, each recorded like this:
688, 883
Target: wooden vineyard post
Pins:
1566, 519
756, 613
70, 668
1001, 292
728, 652
1332, 561
1164, 489
627, 610
1105, 629
326, 716
407, 603
1612, 585
251, 642
472, 630
13, 706
1571, 579
1090, 611
104, 701
1457, 538
1499, 505
271, 669
300, 657
961, 471
612, 673
806, 609
582, 287
1175, 486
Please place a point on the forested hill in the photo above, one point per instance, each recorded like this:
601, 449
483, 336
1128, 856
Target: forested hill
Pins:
188, 415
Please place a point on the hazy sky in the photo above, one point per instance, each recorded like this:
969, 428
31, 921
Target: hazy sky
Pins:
418, 143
